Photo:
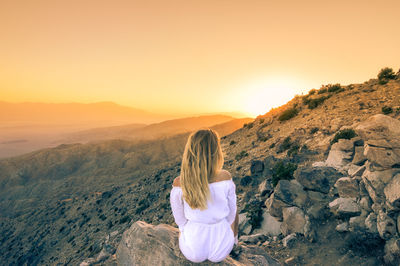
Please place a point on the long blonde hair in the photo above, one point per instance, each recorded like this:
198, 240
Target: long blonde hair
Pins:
202, 159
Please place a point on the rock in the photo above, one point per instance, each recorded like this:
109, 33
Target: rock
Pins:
294, 221
370, 223
289, 240
343, 145
338, 158
345, 207
357, 223
253, 239
398, 223
256, 167
381, 135
383, 157
386, 225
343, 227
269, 226
380, 128
265, 188
287, 193
291, 261
356, 171
365, 203
392, 252
146, 244
359, 157
375, 182
244, 224
317, 178
392, 192
347, 187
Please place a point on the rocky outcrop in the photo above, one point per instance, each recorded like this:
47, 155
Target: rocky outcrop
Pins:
146, 244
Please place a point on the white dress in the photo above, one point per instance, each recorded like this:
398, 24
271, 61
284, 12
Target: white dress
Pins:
206, 234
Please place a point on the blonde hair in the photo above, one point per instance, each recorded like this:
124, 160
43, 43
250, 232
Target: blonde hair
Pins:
202, 159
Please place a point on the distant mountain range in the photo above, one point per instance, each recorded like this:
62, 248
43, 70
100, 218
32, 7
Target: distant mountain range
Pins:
26, 127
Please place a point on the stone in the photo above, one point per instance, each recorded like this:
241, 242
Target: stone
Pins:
294, 221
244, 224
356, 170
346, 207
359, 158
253, 239
392, 191
347, 187
382, 157
287, 193
386, 225
256, 167
289, 240
270, 226
365, 203
146, 244
317, 178
392, 252
380, 130
357, 223
338, 158
343, 227
370, 223
265, 188
375, 182
291, 261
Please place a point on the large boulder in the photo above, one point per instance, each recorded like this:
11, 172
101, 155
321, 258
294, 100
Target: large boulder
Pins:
345, 207
287, 193
270, 226
294, 221
340, 153
375, 182
347, 187
386, 225
146, 244
317, 178
392, 192
381, 135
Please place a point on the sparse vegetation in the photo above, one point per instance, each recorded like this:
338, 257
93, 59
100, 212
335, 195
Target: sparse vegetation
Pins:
387, 110
312, 92
314, 102
285, 145
254, 212
314, 130
261, 120
241, 155
248, 125
385, 75
294, 149
232, 142
288, 114
347, 133
282, 171
335, 88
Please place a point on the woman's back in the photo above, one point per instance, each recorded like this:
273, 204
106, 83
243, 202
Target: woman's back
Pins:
206, 234
222, 204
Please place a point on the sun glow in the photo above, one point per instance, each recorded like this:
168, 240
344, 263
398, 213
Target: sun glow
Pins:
260, 96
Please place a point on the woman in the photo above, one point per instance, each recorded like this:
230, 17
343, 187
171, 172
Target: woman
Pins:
203, 200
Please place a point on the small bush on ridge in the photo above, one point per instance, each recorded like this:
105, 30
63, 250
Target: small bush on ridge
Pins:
347, 133
288, 114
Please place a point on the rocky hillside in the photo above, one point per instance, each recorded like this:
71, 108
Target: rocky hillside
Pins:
299, 186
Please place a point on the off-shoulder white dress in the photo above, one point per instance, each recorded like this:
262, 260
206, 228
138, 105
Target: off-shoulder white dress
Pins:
206, 234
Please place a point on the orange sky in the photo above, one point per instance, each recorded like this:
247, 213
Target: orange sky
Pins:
191, 56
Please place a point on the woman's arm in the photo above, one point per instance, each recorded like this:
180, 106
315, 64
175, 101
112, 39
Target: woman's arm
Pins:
176, 202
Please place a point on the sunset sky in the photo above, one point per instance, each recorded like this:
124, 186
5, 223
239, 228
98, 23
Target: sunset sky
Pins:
191, 57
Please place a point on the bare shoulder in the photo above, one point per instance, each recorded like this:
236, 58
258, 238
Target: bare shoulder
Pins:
177, 182
224, 175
